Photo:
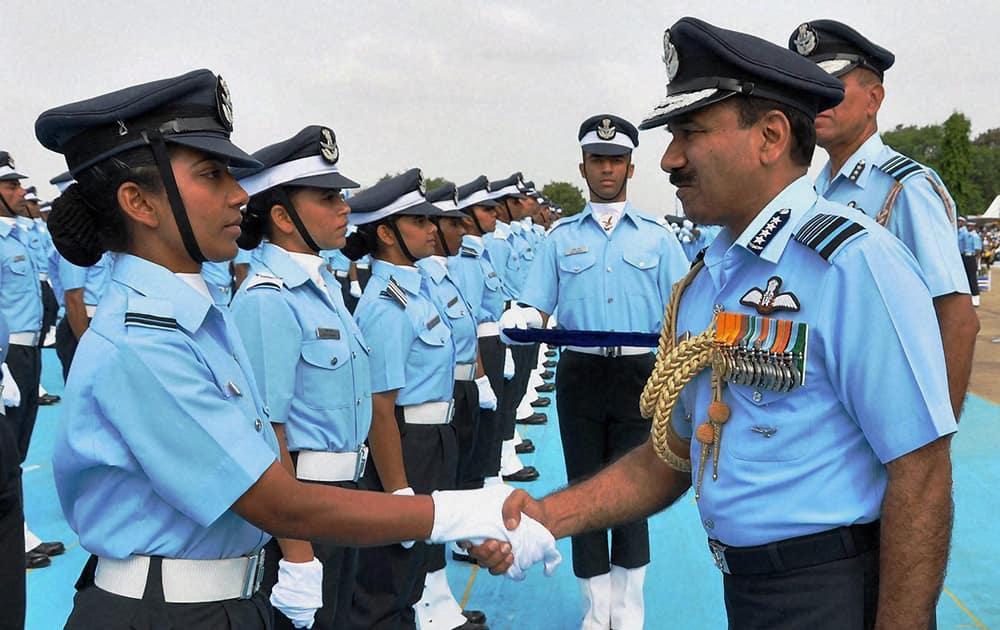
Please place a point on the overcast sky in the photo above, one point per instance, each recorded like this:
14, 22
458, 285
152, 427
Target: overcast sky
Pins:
457, 88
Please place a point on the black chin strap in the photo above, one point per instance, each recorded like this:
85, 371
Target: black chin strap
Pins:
620, 188
293, 214
6, 207
402, 243
162, 159
475, 220
510, 215
444, 243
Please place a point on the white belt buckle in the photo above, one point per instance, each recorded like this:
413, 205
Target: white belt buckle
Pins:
612, 352
719, 555
254, 575
359, 471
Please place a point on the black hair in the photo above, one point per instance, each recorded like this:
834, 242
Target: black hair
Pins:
86, 220
257, 218
363, 242
752, 108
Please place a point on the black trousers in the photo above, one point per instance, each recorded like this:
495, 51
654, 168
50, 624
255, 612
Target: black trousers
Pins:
598, 403
466, 421
12, 595
525, 359
340, 567
25, 363
66, 343
50, 311
391, 578
969, 261
486, 452
94, 609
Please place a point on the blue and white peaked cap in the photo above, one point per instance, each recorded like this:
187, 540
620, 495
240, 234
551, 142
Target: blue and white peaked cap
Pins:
404, 194
309, 158
511, 187
607, 134
838, 48
7, 172
445, 199
707, 64
476, 193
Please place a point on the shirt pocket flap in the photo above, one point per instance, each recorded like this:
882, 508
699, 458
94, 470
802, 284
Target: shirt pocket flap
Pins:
329, 354
641, 259
577, 262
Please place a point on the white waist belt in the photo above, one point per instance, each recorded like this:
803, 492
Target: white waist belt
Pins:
612, 351
340, 274
320, 466
362, 265
184, 581
24, 339
465, 372
488, 329
91, 309
429, 413
43, 276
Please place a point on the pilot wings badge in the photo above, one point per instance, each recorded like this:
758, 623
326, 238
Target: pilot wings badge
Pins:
769, 300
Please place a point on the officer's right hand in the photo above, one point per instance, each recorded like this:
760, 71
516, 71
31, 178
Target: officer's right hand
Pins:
11, 392
298, 594
521, 318
355, 289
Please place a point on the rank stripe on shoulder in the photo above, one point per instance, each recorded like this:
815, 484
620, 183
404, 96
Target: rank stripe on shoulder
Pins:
826, 233
394, 292
468, 252
900, 167
153, 321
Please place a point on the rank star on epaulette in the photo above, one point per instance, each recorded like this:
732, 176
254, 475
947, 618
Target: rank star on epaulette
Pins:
856, 172
770, 229
769, 300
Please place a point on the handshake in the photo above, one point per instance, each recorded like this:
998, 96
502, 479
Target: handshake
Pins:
490, 524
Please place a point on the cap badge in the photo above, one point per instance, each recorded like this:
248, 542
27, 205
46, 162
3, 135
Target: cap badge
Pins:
421, 184
488, 189
7, 159
805, 40
606, 130
225, 103
328, 146
454, 196
670, 57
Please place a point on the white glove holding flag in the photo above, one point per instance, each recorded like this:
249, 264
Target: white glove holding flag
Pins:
355, 289
487, 397
520, 317
508, 364
298, 593
11, 392
476, 515
405, 492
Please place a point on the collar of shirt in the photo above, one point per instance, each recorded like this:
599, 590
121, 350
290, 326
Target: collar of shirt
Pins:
868, 151
434, 267
310, 264
157, 282
7, 225
25, 224
474, 242
502, 230
627, 211
197, 282
407, 277
283, 264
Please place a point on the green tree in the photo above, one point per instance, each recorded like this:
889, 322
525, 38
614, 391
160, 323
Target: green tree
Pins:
923, 144
566, 196
956, 164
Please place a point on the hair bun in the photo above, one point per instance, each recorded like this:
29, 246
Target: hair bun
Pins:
357, 246
73, 228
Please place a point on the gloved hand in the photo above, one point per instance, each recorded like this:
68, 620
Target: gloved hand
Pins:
405, 492
355, 289
477, 515
508, 364
521, 317
487, 397
11, 392
298, 593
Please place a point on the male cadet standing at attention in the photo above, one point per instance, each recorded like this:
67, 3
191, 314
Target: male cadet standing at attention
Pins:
608, 268
905, 197
818, 395
970, 245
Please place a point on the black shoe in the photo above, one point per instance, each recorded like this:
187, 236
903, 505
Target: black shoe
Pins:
545, 388
468, 625
548, 364
48, 399
526, 446
54, 548
550, 353
36, 560
541, 402
528, 473
548, 375
475, 616
463, 557
535, 418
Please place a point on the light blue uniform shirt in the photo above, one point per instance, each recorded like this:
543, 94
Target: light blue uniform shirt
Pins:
309, 357
453, 305
336, 261
163, 428
21, 305
506, 258
411, 346
965, 242
219, 281
617, 282
473, 272
923, 216
94, 280
977, 242
813, 459
4, 338
36, 237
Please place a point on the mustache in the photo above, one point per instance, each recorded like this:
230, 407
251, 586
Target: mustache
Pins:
681, 178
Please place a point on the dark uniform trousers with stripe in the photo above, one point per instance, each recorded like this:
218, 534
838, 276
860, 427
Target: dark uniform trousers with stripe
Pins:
485, 459
525, 359
598, 403
25, 363
12, 595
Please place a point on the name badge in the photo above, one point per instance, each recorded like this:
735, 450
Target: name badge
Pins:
453, 301
327, 333
19, 258
577, 250
434, 321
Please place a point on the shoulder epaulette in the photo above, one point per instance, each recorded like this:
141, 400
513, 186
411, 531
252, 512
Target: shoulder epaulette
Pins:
468, 252
150, 321
263, 280
394, 292
900, 167
828, 233
699, 257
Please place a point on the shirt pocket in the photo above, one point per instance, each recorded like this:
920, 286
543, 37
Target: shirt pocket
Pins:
762, 428
577, 263
436, 335
325, 377
455, 308
492, 281
644, 260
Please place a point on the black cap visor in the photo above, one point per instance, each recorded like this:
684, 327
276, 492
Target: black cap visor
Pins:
325, 181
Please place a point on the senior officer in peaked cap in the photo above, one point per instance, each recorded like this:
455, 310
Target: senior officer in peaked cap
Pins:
827, 503
906, 197
609, 268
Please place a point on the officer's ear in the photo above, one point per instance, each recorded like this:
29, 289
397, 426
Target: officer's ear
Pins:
876, 93
631, 168
775, 136
280, 219
385, 235
142, 205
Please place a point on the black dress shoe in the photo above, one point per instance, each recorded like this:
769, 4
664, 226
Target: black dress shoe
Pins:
463, 557
535, 418
48, 399
468, 625
526, 446
548, 364
36, 560
541, 402
548, 375
545, 388
528, 473
54, 548
475, 616
550, 353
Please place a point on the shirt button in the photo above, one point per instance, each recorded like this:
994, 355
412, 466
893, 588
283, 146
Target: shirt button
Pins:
354, 355
576, 268
642, 264
609, 269
258, 425
333, 361
358, 402
757, 396
709, 523
610, 300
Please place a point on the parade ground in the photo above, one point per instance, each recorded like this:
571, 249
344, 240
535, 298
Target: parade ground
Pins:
683, 587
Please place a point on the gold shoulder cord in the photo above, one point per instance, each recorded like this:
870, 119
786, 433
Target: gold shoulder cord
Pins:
675, 366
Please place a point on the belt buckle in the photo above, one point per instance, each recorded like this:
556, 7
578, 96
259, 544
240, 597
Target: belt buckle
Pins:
359, 469
451, 411
719, 555
612, 352
254, 575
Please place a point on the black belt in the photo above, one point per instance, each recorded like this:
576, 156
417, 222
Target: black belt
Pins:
796, 553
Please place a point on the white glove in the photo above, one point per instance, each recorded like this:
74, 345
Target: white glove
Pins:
487, 397
521, 317
11, 392
355, 289
298, 593
405, 492
508, 364
476, 515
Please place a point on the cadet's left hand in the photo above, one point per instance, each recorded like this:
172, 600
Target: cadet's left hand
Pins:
487, 397
11, 392
298, 594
